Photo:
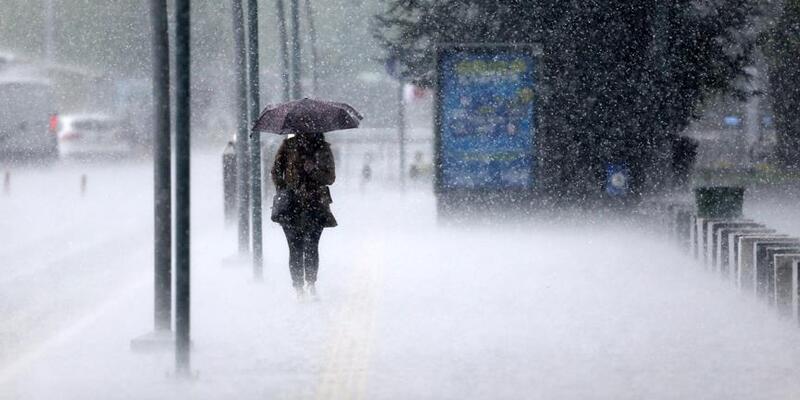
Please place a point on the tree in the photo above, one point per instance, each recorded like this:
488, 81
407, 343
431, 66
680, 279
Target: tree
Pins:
783, 50
620, 79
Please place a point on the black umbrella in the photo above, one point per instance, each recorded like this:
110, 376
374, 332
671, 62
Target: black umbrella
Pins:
307, 116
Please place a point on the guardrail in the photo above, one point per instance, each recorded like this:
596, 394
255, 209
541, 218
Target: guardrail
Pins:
753, 257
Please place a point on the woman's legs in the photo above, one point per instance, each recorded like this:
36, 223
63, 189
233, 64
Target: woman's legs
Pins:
294, 238
311, 253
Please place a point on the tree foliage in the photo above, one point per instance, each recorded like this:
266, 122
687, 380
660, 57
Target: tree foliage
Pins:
620, 79
782, 48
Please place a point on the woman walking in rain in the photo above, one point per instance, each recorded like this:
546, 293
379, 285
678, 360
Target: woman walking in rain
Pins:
304, 166
302, 171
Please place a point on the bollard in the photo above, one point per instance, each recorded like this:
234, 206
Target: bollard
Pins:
725, 246
746, 259
83, 184
786, 283
796, 289
761, 274
703, 245
777, 276
693, 235
229, 181
7, 182
712, 238
764, 270
733, 249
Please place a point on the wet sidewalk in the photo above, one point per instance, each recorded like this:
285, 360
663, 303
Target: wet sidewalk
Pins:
411, 310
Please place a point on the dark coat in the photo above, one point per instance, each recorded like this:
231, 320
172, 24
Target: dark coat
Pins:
304, 165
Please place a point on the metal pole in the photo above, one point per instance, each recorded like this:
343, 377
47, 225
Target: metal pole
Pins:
662, 146
284, 42
312, 32
401, 130
255, 145
297, 91
162, 160
182, 183
49, 30
242, 132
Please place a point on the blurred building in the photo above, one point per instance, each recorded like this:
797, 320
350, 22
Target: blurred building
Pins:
733, 132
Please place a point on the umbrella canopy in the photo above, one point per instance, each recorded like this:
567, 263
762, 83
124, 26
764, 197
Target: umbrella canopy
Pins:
307, 116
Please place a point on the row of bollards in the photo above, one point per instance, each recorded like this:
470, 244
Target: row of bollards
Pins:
753, 257
84, 183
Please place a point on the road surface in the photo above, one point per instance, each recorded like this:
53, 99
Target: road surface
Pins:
551, 308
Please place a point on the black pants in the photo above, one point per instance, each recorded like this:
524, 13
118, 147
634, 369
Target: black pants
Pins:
303, 253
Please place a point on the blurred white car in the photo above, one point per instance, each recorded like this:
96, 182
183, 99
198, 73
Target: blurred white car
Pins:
91, 135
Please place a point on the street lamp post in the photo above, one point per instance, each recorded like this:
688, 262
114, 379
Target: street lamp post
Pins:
49, 30
255, 145
296, 70
162, 168
401, 130
182, 183
161, 338
242, 131
284, 45
312, 33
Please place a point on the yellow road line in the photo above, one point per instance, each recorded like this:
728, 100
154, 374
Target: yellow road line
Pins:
348, 357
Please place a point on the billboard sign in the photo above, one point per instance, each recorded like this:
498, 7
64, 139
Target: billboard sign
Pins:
486, 122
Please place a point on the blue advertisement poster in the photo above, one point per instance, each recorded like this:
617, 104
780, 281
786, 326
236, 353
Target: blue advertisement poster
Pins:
486, 119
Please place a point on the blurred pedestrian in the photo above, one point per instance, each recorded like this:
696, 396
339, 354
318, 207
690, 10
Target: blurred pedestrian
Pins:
366, 171
302, 172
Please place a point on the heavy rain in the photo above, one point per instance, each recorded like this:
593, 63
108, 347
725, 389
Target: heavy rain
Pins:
399, 199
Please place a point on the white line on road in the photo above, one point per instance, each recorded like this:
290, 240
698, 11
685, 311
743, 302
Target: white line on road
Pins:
10, 372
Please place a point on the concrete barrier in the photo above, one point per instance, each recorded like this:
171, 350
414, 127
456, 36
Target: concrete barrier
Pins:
712, 233
733, 250
770, 268
785, 283
700, 237
726, 263
758, 259
703, 233
795, 266
746, 259
765, 266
